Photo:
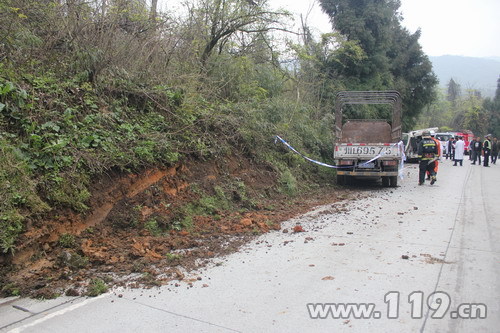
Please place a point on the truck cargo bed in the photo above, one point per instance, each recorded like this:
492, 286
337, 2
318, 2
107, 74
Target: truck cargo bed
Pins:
366, 131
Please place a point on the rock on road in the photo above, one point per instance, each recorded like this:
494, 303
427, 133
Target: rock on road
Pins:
390, 250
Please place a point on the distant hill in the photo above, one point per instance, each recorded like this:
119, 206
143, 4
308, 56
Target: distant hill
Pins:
471, 73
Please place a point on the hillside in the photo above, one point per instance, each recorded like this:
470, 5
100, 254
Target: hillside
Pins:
130, 136
471, 73
115, 155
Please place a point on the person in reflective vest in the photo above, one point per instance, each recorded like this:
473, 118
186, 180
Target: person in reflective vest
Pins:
427, 154
486, 150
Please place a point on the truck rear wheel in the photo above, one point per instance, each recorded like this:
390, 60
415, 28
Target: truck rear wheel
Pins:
385, 181
341, 180
393, 180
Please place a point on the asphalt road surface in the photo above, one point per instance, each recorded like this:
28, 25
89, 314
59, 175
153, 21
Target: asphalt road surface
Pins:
410, 259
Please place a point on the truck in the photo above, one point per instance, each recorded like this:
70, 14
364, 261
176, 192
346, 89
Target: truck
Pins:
368, 147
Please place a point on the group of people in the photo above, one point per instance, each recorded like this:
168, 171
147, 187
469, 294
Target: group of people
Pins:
489, 148
429, 151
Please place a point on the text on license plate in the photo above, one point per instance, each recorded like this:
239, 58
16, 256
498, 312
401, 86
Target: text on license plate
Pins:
367, 150
370, 165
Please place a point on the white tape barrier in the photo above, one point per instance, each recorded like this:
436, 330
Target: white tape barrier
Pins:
400, 146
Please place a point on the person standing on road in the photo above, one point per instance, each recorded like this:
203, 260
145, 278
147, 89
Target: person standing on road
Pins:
450, 148
459, 151
471, 148
476, 150
487, 150
427, 154
494, 151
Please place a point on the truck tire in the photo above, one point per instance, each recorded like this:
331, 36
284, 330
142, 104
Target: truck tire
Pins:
340, 180
385, 181
393, 180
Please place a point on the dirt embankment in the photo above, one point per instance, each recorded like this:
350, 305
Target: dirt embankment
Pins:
150, 228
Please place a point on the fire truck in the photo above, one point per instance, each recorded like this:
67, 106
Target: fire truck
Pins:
467, 136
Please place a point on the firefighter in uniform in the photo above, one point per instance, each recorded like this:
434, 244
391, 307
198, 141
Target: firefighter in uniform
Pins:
436, 162
427, 154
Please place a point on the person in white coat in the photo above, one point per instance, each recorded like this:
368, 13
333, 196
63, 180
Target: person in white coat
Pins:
459, 151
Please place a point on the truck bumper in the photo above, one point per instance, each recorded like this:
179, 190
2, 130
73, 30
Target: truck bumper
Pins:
367, 173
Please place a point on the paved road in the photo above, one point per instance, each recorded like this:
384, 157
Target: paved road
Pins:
392, 249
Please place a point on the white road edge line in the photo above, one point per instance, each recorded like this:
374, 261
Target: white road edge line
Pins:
58, 313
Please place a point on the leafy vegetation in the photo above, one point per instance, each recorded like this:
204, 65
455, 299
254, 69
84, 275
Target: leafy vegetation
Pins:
151, 225
11, 289
463, 110
96, 287
18, 198
393, 58
173, 256
72, 260
89, 87
67, 240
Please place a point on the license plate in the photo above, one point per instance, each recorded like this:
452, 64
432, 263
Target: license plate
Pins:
370, 165
361, 151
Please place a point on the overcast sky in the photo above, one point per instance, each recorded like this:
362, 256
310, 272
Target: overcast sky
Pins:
449, 27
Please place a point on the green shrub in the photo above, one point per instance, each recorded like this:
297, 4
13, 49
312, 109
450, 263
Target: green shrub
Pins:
11, 289
288, 183
182, 221
72, 260
152, 226
67, 240
18, 196
69, 190
173, 256
96, 287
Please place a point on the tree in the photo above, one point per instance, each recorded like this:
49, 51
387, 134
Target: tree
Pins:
394, 58
475, 117
154, 11
370, 23
413, 75
492, 107
475, 120
497, 92
323, 67
454, 91
218, 21
437, 114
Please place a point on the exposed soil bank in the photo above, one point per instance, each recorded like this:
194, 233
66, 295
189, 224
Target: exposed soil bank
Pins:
149, 228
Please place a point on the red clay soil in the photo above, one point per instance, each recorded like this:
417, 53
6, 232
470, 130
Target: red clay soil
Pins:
61, 254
